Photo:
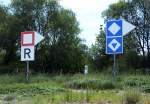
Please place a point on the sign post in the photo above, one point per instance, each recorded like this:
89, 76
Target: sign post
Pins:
28, 41
115, 30
27, 72
114, 67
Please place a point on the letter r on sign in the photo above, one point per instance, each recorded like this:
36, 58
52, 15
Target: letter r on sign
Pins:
27, 53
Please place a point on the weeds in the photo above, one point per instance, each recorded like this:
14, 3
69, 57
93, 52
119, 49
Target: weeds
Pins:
95, 88
132, 96
147, 101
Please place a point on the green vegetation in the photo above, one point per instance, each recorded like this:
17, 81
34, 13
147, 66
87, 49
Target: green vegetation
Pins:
91, 84
60, 51
136, 44
132, 96
55, 89
62, 55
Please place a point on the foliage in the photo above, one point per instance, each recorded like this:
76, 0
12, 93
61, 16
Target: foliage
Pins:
53, 89
136, 43
147, 101
62, 50
135, 81
115, 10
97, 52
91, 84
8, 35
132, 96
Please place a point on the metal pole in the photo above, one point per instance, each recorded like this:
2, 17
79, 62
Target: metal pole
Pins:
27, 72
114, 67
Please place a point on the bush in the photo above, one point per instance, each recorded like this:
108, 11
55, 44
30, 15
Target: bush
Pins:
9, 98
91, 84
7, 69
132, 96
30, 89
135, 82
108, 85
146, 89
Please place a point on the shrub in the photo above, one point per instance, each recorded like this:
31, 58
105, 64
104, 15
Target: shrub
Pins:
91, 84
6, 69
31, 89
9, 98
132, 96
108, 85
146, 89
135, 82
68, 96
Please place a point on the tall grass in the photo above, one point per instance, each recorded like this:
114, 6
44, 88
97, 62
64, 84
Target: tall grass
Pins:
55, 89
147, 100
132, 96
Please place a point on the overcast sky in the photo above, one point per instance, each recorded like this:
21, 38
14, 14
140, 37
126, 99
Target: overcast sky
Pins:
88, 13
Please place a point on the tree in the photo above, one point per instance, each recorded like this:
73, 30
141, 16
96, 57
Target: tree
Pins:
136, 12
62, 50
97, 51
8, 34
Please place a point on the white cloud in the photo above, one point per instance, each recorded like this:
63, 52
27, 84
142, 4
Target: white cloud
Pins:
5, 2
88, 13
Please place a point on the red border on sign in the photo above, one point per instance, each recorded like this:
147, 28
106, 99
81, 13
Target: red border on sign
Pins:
22, 38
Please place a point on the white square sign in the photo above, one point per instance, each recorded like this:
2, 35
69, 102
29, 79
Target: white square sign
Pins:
28, 40
27, 46
27, 53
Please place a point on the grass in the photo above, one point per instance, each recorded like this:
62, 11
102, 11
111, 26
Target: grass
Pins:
58, 89
146, 100
132, 96
91, 84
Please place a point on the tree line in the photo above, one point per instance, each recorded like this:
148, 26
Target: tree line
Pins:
136, 44
63, 51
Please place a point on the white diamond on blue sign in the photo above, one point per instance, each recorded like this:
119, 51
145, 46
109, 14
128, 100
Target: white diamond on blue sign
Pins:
114, 45
114, 28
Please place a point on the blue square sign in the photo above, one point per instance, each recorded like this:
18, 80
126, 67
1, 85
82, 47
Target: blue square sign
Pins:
114, 28
114, 45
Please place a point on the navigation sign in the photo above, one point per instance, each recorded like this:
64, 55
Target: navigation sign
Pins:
27, 46
127, 27
28, 41
115, 30
114, 40
38, 38
27, 53
114, 45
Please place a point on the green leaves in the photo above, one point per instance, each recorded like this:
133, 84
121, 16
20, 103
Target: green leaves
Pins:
61, 51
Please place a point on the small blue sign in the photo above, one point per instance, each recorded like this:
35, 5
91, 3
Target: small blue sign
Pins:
114, 37
114, 45
114, 28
